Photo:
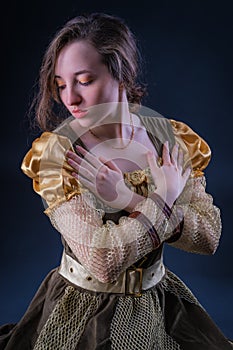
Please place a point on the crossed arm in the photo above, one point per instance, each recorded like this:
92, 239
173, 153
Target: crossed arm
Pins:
108, 249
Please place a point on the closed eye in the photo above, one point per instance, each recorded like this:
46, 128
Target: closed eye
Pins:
85, 83
61, 87
80, 82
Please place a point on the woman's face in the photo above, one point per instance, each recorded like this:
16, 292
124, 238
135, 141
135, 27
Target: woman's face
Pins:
83, 80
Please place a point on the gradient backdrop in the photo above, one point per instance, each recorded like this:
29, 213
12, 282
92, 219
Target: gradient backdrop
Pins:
188, 54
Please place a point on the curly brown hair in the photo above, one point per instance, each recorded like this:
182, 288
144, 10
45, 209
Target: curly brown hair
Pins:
113, 40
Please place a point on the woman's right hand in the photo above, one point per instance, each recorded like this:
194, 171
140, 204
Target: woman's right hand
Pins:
102, 177
169, 178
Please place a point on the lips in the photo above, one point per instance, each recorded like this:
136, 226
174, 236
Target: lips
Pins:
78, 113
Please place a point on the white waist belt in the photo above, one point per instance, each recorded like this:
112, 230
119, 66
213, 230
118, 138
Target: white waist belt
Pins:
130, 282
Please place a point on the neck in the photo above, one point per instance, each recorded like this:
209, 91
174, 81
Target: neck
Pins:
121, 141
108, 131
114, 130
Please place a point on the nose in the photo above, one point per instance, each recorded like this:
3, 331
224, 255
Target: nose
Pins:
73, 97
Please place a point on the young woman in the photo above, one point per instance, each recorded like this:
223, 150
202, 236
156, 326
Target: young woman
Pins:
118, 181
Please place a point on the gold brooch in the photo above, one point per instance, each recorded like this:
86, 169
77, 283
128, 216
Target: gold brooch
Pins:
136, 177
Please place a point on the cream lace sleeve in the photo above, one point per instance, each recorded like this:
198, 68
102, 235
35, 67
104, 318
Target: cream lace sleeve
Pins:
104, 249
202, 220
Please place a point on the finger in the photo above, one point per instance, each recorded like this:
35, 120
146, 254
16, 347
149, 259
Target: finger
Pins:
166, 154
89, 175
152, 161
187, 173
85, 182
89, 157
174, 154
79, 170
180, 159
109, 163
73, 164
75, 161
73, 155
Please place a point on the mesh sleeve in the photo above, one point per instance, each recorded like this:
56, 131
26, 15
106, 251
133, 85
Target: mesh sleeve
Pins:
202, 220
104, 249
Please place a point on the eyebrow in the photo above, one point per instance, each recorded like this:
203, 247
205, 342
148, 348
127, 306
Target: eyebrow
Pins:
76, 73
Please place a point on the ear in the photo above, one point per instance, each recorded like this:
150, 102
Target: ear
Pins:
121, 88
122, 93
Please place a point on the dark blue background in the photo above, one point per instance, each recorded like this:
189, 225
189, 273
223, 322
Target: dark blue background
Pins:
188, 52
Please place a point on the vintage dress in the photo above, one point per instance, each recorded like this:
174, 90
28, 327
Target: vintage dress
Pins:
68, 315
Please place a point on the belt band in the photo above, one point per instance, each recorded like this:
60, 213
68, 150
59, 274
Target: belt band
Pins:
130, 282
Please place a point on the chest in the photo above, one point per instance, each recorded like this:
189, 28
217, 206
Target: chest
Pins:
129, 159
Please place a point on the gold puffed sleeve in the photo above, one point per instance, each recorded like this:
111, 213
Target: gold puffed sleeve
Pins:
198, 150
45, 163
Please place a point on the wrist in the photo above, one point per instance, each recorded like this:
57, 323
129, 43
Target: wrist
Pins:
174, 215
151, 231
135, 199
168, 199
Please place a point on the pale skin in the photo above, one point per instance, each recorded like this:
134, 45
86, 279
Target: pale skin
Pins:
84, 81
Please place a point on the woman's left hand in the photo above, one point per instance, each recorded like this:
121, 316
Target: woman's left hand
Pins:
170, 177
102, 177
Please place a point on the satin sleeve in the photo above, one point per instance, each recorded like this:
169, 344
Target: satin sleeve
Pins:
197, 149
45, 163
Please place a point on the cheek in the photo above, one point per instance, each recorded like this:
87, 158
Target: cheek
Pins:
63, 97
107, 93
